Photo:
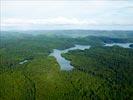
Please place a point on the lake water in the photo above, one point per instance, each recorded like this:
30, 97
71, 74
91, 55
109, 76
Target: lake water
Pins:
65, 64
22, 62
124, 45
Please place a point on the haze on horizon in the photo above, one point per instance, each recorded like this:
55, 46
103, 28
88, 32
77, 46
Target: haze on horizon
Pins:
66, 14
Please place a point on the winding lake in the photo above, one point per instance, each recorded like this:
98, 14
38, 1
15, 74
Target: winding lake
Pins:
124, 45
65, 64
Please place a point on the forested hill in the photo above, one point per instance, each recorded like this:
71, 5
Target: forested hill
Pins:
76, 33
114, 65
100, 73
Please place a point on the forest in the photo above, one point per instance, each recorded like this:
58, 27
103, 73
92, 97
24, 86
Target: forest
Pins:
100, 73
113, 65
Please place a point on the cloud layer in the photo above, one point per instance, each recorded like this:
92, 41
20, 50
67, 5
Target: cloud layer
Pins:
31, 14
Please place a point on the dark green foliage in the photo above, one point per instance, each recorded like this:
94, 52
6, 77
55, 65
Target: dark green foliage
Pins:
112, 64
101, 73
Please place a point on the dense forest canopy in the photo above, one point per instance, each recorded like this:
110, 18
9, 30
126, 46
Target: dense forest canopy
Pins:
100, 73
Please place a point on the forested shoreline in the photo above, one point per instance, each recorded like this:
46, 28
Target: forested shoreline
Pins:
100, 73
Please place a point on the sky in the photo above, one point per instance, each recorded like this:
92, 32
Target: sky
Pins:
66, 14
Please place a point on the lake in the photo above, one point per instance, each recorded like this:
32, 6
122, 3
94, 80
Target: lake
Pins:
22, 62
65, 64
124, 45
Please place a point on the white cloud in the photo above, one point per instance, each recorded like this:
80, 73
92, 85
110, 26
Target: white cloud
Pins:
62, 21
48, 21
72, 13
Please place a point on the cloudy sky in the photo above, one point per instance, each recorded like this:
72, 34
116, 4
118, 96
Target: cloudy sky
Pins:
66, 14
